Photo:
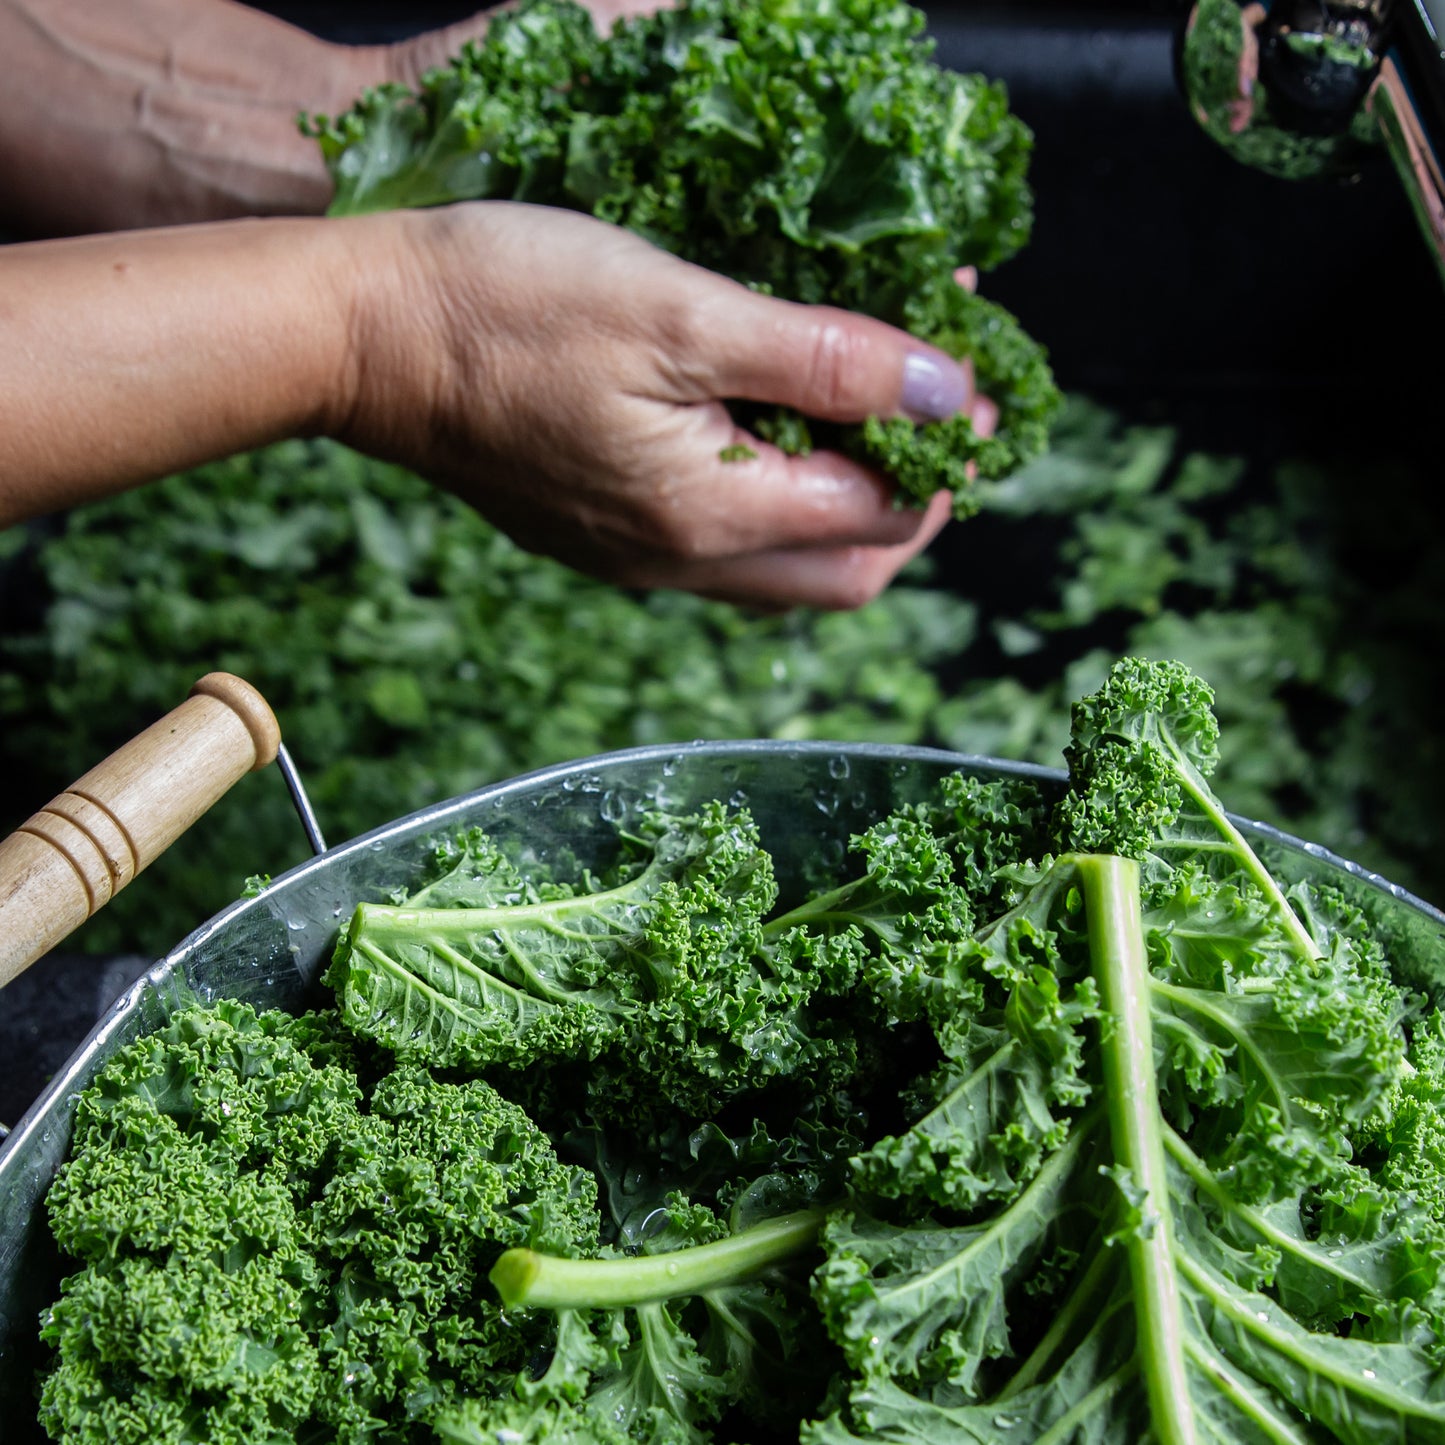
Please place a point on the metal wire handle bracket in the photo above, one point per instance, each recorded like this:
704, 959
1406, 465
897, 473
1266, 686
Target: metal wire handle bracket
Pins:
301, 802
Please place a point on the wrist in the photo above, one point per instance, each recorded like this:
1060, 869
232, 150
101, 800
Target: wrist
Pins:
393, 366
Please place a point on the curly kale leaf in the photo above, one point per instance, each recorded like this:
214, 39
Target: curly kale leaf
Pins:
1141, 752
811, 150
1010, 368
1155, 1276
661, 976
697, 1318
1014, 1067
897, 934
267, 1251
1225, 1224
894, 933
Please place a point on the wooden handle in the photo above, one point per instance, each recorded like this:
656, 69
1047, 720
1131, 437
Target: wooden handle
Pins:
77, 853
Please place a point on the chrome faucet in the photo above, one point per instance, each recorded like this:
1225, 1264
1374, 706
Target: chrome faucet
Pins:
1306, 88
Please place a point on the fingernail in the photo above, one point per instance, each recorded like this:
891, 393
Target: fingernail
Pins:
934, 386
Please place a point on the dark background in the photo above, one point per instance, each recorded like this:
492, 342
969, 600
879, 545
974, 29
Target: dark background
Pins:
1260, 316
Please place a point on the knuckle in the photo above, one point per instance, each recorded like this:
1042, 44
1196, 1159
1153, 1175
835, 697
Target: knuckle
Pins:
684, 330
855, 582
833, 366
685, 319
679, 531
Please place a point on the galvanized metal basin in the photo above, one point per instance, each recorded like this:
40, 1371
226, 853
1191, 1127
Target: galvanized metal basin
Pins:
269, 950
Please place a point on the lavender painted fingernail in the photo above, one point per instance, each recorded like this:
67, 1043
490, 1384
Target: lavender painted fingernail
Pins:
934, 385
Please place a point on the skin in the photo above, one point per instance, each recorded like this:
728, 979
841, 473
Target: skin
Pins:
564, 377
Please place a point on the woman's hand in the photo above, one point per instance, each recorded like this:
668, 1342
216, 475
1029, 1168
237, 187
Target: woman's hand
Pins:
562, 375
119, 116
569, 380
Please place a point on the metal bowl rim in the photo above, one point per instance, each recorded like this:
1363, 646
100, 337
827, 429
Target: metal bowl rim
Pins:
438, 815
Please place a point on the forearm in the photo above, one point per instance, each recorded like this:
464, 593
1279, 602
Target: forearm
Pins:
155, 112
127, 357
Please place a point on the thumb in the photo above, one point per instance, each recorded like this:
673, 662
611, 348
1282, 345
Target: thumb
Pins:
828, 363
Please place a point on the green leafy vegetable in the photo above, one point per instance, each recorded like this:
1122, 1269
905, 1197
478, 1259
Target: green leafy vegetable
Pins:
370, 609
811, 150
1059, 1117
659, 967
272, 1251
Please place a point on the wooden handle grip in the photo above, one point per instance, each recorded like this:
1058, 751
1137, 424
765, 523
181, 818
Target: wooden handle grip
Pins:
78, 852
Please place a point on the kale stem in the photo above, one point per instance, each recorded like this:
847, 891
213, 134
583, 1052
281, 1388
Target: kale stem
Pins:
1207, 1184
540, 1281
1121, 968
552, 914
1206, 802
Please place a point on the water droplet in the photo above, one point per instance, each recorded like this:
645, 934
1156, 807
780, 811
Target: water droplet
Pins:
1368, 1374
1336, 1253
612, 808
1261, 1316
838, 767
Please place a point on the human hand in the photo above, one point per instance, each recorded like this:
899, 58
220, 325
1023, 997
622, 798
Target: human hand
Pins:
568, 379
177, 111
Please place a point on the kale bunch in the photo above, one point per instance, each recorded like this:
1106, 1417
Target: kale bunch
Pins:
811, 149
1166, 1162
1131, 1139
1178, 1176
277, 1241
